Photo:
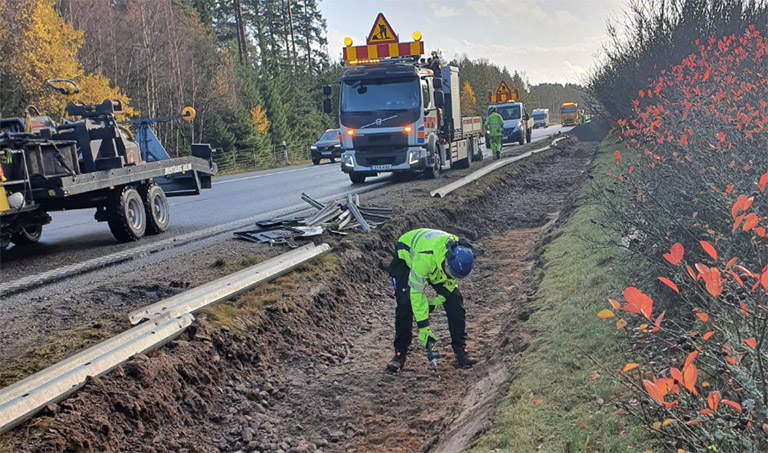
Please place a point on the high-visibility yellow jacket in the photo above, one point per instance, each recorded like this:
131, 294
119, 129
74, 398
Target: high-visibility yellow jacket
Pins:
494, 123
424, 251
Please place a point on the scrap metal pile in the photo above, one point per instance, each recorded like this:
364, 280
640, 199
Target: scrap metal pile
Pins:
338, 217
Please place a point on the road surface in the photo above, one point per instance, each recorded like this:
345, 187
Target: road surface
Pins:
73, 236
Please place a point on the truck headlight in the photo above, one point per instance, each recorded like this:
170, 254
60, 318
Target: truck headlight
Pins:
347, 160
313, 148
415, 155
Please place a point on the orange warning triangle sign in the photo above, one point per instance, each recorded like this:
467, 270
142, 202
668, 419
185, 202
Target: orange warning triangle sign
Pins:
382, 32
503, 88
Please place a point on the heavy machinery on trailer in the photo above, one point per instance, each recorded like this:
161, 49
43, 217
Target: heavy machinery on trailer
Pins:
399, 112
91, 162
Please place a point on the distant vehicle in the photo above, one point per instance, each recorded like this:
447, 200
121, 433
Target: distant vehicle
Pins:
540, 118
517, 123
328, 146
569, 113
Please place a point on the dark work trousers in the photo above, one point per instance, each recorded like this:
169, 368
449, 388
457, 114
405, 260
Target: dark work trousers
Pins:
454, 309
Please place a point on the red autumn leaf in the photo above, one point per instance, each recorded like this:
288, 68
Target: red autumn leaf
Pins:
687, 107
635, 297
693, 422
617, 155
764, 280
751, 342
708, 334
653, 391
737, 221
709, 249
690, 358
732, 404
675, 253
750, 221
737, 278
614, 304
669, 283
640, 93
720, 137
763, 182
713, 400
683, 140
657, 323
691, 272
760, 231
706, 412
703, 316
676, 374
715, 285
730, 262
690, 375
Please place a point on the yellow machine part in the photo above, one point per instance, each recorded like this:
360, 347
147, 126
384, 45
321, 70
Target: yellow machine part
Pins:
4, 206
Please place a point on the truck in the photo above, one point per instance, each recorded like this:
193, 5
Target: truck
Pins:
518, 125
399, 113
540, 118
569, 114
92, 162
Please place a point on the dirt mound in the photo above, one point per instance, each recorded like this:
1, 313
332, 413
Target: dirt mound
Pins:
594, 131
309, 373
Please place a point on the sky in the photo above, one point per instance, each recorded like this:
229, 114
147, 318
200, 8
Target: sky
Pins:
548, 40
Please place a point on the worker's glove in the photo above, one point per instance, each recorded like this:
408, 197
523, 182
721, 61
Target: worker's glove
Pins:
425, 335
432, 353
436, 303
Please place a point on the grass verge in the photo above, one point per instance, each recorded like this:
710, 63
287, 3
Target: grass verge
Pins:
559, 400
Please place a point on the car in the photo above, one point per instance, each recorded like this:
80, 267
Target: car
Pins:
328, 146
540, 118
517, 124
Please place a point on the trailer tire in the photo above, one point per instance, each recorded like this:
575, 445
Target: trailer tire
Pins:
357, 178
29, 234
126, 215
157, 210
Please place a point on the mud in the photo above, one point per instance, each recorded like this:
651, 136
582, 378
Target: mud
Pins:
308, 374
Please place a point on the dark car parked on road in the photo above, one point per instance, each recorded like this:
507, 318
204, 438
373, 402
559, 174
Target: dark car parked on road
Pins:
327, 147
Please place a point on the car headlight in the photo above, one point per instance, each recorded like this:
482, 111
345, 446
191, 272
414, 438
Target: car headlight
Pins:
313, 148
338, 145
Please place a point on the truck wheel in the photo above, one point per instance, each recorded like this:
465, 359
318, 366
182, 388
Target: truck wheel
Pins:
487, 142
316, 161
29, 234
4, 241
356, 178
156, 207
126, 215
522, 138
528, 136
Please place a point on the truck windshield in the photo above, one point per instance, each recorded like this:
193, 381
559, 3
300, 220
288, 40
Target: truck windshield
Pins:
393, 94
568, 110
509, 112
539, 116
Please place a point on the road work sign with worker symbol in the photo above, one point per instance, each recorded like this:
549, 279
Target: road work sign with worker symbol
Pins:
382, 32
503, 94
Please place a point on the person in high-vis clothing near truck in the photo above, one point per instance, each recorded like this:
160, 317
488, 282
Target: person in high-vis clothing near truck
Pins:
494, 124
426, 256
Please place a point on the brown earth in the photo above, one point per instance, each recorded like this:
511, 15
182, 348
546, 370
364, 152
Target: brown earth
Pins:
308, 373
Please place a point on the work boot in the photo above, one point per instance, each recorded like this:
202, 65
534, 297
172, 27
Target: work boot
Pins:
397, 363
464, 360
498, 155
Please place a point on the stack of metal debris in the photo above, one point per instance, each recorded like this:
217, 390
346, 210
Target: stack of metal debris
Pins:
338, 216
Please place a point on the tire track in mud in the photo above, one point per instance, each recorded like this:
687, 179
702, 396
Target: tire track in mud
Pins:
310, 374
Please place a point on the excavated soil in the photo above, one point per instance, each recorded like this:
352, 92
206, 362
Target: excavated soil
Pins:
308, 374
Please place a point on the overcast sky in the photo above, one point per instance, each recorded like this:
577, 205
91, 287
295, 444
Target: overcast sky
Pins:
548, 40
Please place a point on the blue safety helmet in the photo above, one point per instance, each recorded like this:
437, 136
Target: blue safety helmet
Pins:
460, 261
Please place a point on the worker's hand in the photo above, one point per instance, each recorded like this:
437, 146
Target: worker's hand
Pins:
425, 335
432, 353
436, 303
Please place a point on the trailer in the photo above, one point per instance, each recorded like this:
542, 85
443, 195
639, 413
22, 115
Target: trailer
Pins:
400, 113
92, 162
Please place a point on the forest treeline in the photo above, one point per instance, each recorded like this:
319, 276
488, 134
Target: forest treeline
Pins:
252, 69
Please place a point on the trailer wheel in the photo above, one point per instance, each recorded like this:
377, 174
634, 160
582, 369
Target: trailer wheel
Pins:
29, 234
126, 215
156, 207
357, 178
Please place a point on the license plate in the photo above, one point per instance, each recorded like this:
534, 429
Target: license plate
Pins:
381, 167
326, 153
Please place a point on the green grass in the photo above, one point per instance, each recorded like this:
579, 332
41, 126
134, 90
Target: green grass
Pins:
556, 402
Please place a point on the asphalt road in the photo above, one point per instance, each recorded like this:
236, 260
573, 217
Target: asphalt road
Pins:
73, 236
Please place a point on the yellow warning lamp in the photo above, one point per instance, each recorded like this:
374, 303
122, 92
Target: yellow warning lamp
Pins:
188, 113
416, 36
347, 41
